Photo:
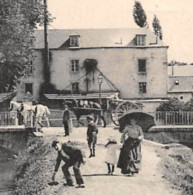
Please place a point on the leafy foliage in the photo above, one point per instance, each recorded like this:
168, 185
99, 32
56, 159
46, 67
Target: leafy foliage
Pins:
176, 105
18, 20
172, 105
189, 105
157, 27
139, 14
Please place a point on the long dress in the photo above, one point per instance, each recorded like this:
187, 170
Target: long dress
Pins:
130, 155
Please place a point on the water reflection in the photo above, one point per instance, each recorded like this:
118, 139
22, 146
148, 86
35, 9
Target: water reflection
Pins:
7, 170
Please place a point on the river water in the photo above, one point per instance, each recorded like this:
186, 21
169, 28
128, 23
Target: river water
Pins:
7, 171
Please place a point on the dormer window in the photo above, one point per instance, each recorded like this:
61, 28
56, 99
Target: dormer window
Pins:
140, 40
74, 40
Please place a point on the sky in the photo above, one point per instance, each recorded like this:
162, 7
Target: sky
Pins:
176, 19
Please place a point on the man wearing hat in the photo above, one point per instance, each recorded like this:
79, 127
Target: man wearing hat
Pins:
92, 132
66, 120
72, 156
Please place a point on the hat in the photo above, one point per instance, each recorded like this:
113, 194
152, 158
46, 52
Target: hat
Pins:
90, 117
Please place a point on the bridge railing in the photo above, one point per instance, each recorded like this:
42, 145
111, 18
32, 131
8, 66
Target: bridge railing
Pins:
8, 118
161, 118
173, 118
14, 118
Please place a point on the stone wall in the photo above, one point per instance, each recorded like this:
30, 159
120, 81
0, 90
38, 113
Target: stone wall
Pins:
170, 134
13, 139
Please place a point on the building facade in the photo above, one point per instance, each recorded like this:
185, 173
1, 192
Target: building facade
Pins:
133, 62
180, 87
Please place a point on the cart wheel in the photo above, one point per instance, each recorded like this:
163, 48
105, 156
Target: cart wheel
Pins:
121, 109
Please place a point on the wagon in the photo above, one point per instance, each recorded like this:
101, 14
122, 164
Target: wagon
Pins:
115, 107
120, 107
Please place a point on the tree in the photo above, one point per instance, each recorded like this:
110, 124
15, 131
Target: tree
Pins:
18, 20
139, 14
157, 27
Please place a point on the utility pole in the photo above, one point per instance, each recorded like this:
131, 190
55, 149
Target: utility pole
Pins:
46, 48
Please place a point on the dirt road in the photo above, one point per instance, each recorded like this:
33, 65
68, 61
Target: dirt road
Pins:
148, 182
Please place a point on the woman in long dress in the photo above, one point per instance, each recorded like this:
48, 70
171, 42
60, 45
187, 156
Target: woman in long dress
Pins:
130, 156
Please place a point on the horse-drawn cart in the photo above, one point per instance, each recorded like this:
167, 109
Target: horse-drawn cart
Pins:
116, 108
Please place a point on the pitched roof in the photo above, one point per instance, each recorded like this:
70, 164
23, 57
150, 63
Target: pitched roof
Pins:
6, 96
90, 38
180, 84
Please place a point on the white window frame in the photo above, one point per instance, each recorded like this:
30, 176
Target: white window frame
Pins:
140, 40
75, 65
74, 41
142, 87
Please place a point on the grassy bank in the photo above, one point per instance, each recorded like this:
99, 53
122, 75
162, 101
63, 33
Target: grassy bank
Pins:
177, 164
35, 168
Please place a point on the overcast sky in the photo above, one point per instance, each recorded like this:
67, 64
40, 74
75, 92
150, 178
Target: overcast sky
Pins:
176, 18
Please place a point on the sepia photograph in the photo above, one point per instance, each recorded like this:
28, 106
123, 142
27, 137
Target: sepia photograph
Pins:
96, 97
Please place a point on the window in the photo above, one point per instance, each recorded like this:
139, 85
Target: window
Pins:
142, 87
74, 65
74, 41
140, 40
29, 88
75, 87
181, 97
142, 66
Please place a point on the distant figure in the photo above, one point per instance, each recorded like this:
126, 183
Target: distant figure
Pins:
73, 157
111, 156
130, 156
92, 132
66, 120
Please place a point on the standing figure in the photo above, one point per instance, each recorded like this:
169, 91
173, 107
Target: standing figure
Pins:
92, 132
130, 156
111, 156
73, 157
66, 120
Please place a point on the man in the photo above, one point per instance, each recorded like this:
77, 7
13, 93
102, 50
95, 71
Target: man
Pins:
66, 120
72, 156
92, 132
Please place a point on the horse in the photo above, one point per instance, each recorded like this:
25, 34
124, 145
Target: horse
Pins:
39, 111
81, 108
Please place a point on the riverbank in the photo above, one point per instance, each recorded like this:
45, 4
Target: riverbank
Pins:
34, 167
177, 167
38, 164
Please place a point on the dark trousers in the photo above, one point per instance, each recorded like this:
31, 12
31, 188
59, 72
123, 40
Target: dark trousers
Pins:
66, 127
77, 173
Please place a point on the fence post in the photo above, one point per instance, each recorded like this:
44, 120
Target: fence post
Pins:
31, 118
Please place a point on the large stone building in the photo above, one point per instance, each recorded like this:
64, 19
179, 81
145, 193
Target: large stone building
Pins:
133, 62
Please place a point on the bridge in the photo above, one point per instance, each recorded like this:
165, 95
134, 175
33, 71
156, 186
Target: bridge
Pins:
14, 138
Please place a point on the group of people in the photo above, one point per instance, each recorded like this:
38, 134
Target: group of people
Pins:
129, 160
